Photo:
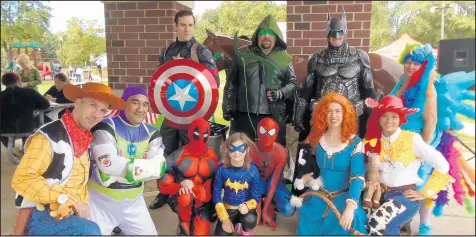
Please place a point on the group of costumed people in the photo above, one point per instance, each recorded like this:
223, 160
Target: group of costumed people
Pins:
378, 161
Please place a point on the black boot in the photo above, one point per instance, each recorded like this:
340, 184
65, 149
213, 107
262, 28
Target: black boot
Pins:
159, 201
116, 231
406, 229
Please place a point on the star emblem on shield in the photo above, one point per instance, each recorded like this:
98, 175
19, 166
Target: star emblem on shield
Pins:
183, 90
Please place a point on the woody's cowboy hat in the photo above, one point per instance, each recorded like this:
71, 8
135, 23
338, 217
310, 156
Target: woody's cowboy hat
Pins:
96, 91
390, 104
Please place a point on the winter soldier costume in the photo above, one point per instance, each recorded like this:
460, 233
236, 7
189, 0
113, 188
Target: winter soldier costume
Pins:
172, 137
248, 81
344, 70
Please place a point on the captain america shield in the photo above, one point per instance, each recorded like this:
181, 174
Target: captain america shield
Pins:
183, 90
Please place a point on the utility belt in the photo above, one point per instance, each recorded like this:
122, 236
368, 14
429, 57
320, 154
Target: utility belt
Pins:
386, 188
228, 206
359, 107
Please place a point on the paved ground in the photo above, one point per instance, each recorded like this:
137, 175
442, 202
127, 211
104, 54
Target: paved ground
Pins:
455, 221
469, 128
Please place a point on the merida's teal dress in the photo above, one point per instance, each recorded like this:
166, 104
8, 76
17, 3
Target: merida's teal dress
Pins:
342, 170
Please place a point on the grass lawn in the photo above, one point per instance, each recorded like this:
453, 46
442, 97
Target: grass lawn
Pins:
219, 112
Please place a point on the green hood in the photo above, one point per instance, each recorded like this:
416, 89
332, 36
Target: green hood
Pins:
279, 54
269, 23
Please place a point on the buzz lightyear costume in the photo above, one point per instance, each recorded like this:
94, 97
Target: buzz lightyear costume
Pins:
124, 156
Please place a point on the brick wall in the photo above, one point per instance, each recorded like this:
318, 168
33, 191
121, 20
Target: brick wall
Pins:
135, 33
307, 20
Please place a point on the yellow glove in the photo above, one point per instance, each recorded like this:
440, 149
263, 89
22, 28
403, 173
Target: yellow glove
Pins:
221, 212
251, 204
438, 180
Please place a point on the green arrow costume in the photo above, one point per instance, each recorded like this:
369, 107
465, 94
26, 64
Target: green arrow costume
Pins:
253, 73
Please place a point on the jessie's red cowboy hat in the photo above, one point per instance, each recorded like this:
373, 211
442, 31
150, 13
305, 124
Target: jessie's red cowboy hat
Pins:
390, 104
96, 91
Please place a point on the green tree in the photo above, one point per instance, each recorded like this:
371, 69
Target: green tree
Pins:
425, 24
392, 19
381, 32
81, 39
23, 21
51, 43
237, 16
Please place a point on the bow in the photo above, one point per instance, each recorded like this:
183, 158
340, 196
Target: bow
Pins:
332, 206
372, 141
270, 69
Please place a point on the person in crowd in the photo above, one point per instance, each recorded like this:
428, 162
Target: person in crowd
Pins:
79, 73
30, 76
56, 93
17, 105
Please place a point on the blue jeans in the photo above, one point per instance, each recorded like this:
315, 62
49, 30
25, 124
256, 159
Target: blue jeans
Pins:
78, 77
41, 223
394, 226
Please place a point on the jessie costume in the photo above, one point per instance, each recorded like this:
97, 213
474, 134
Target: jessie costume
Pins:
401, 155
52, 175
449, 91
271, 158
124, 156
197, 163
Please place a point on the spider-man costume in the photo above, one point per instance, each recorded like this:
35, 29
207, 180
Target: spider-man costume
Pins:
271, 159
197, 163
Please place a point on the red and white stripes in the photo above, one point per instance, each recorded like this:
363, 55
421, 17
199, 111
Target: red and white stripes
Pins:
151, 118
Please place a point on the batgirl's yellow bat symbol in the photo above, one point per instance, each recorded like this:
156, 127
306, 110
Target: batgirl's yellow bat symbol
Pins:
236, 185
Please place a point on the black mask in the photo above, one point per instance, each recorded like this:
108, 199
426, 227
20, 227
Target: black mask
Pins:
336, 27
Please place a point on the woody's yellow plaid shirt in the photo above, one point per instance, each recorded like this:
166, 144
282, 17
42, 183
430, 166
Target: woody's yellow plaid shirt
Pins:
29, 182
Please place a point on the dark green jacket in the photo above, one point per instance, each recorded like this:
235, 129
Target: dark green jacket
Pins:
245, 88
33, 79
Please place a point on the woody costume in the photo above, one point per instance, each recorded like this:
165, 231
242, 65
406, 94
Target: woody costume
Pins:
197, 163
52, 175
401, 155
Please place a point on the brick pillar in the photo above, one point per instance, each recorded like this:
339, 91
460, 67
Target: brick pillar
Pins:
307, 20
135, 33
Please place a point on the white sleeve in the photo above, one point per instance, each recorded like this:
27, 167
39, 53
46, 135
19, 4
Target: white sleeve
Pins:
155, 149
155, 156
430, 154
104, 152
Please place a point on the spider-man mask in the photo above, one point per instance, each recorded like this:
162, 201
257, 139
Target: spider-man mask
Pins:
198, 133
267, 133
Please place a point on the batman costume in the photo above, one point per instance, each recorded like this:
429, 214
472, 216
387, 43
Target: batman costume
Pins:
344, 70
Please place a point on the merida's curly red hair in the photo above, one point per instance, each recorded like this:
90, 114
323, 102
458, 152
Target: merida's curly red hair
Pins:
319, 121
